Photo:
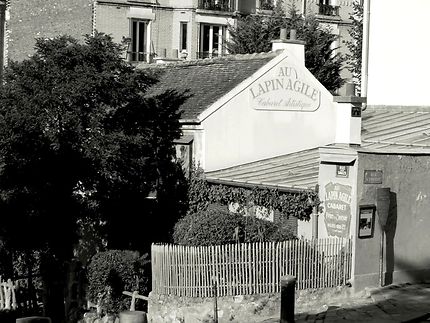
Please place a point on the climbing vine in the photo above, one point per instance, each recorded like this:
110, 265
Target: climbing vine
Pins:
202, 194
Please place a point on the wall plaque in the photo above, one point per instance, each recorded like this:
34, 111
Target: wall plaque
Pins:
373, 177
342, 171
356, 111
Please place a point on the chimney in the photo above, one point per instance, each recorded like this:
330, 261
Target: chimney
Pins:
348, 129
292, 45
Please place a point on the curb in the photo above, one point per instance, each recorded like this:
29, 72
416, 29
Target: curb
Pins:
425, 317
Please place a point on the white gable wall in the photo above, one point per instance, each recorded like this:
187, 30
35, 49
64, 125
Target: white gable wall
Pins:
248, 125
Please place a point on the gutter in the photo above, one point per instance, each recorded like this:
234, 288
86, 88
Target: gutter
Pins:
365, 52
189, 121
282, 189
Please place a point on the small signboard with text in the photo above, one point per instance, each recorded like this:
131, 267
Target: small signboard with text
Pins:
373, 177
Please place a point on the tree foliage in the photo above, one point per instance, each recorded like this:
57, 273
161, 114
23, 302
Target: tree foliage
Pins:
254, 33
80, 140
82, 143
354, 57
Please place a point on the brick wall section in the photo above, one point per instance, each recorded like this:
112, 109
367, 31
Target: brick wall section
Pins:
45, 18
183, 16
112, 20
161, 35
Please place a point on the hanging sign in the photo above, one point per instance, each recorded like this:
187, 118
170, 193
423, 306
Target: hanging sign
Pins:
285, 88
337, 209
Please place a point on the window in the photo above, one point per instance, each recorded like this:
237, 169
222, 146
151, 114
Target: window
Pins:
184, 152
212, 40
328, 8
183, 36
137, 49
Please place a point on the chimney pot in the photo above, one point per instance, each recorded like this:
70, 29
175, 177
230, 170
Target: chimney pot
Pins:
174, 53
293, 34
283, 33
350, 89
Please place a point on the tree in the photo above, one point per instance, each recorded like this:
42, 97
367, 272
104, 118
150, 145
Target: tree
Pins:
253, 34
81, 141
355, 45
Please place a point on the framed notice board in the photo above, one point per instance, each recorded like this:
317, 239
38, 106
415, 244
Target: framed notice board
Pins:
366, 221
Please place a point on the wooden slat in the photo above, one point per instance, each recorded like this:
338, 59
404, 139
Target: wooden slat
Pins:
247, 268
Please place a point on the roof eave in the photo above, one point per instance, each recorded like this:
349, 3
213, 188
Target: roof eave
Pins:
194, 121
280, 188
242, 86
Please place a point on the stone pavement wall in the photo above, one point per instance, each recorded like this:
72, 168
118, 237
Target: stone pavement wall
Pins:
243, 308
175, 309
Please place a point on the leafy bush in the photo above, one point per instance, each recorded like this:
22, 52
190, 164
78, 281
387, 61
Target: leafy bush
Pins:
114, 271
215, 226
203, 195
262, 230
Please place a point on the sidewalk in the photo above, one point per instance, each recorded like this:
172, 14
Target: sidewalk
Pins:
394, 303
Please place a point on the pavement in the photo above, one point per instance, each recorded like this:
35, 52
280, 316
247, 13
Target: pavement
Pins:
407, 303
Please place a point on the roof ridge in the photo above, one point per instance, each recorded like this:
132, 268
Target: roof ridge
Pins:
210, 61
399, 108
389, 142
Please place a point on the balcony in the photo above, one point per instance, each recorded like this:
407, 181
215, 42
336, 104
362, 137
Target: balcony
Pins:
216, 5
203, 55
137, 57
328, 10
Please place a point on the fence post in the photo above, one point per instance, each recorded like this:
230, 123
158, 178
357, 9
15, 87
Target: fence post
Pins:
288, 285
215, 300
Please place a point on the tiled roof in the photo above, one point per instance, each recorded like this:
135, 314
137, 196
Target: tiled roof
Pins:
296, 171
384, 130
396, 129
129, 2
206, 80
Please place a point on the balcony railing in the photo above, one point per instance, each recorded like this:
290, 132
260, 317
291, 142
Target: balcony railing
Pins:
139, 57
328, 10
218, 5
202, 55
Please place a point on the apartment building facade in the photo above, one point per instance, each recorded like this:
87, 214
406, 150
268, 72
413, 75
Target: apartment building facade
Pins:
191, 29
167, 28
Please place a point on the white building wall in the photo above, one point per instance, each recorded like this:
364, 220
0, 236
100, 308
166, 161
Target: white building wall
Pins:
238, 133
399, 51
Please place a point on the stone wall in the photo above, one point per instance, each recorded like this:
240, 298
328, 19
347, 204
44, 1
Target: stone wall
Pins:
248, 308
175, 309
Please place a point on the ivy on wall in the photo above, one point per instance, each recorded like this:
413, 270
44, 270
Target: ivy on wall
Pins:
202, 194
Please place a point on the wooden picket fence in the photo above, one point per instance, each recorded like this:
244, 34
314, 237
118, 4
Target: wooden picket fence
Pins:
20, 295
7, 295
249, 268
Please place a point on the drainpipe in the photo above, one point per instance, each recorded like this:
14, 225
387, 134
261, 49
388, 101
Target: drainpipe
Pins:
365, 51
304, 8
